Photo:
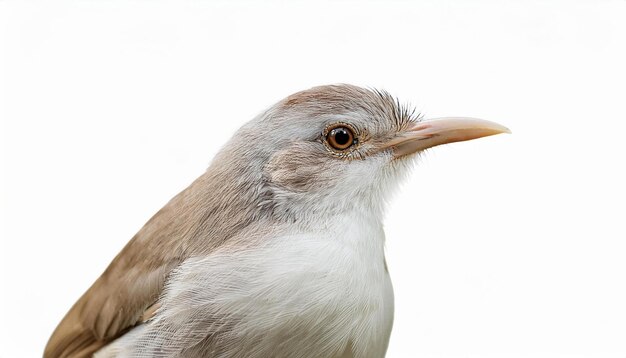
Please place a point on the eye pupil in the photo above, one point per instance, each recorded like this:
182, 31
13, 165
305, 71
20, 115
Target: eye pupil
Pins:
340, 138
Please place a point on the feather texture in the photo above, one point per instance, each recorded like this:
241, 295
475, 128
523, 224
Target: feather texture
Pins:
243, 233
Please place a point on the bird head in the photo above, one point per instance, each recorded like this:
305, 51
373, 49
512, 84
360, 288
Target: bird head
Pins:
334, 148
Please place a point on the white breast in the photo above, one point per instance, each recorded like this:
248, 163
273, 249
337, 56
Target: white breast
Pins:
322, 293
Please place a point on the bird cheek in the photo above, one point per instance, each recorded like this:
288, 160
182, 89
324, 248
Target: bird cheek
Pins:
296, 169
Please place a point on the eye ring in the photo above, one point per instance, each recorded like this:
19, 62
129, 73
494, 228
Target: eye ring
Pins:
340, 136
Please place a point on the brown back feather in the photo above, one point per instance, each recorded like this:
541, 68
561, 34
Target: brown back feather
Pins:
198, 220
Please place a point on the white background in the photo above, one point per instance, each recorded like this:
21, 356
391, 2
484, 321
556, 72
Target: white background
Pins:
508, 246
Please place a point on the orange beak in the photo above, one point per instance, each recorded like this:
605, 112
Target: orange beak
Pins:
428, 134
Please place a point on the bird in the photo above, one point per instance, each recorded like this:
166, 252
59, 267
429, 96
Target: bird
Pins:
277, 249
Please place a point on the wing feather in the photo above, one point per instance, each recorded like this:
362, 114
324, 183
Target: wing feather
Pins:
194, 222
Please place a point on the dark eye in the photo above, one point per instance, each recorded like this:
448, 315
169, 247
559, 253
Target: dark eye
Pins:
340, 138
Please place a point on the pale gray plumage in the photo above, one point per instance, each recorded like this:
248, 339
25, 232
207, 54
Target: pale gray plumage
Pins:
277, 250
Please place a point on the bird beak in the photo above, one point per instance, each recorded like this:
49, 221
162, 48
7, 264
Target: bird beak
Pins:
427, 134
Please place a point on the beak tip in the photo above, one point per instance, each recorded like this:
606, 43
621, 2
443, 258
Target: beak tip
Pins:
506, 130
497, 128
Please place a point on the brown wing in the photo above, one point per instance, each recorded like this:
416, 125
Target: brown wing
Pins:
134, 280
118, 299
